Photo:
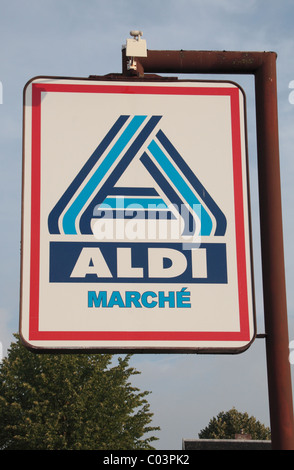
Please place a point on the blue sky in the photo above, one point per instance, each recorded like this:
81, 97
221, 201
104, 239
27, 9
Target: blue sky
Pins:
80, 38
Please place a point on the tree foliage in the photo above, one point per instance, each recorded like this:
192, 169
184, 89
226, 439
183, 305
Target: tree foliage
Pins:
71, 402
227, 424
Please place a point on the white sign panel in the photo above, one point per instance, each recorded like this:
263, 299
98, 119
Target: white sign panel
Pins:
135, 230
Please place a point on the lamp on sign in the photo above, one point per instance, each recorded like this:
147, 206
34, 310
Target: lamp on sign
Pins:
135, 47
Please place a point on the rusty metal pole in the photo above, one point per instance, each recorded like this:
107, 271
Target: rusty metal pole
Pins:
277, 340
263, 66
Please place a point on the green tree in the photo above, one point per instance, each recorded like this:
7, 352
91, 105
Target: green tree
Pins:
227, 424
70, 402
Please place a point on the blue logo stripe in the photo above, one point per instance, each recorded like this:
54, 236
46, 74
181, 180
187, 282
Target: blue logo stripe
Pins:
68, 194
183, 188
221, 221
136, 203
71, 214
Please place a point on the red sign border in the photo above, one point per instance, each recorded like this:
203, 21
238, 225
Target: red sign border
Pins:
226, 336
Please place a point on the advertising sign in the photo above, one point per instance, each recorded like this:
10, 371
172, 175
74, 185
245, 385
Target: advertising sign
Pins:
135, 222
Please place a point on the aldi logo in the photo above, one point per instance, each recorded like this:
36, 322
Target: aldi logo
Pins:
135, 221
168, 205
